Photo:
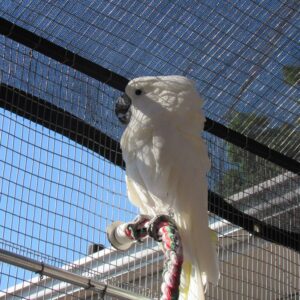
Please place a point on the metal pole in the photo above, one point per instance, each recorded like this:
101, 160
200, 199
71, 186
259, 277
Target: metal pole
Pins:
57, 273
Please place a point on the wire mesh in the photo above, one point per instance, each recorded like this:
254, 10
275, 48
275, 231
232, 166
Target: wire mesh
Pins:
252, 268
244, 55
34, 287
57, 196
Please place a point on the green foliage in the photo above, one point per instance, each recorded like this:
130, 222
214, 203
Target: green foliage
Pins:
244, 168
291, 74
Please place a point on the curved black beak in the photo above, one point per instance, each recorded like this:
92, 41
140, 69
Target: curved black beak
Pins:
122, 109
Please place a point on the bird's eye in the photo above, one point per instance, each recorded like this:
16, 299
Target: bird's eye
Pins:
138, 92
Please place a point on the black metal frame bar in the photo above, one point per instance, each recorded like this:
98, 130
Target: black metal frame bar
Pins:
54, 118
119, 82
252, 146
61, 54
49, 115
218, 206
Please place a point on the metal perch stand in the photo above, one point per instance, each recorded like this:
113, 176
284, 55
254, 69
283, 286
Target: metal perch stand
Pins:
162, 229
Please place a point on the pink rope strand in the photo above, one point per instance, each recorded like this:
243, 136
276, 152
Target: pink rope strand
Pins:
164, 230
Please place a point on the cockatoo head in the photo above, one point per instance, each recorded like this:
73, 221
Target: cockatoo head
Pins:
155, 95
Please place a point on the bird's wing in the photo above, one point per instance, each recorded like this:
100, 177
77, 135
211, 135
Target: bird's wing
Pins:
149, 176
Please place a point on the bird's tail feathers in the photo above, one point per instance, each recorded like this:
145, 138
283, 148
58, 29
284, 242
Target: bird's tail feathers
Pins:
192, 283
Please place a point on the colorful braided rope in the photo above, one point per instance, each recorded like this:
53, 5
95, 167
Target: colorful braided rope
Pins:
164, 230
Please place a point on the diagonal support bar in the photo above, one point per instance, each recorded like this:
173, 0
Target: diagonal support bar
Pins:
252, 146
218, 206
61, 54
66, 276
50, 116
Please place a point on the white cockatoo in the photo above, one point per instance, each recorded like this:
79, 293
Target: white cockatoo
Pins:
166, 165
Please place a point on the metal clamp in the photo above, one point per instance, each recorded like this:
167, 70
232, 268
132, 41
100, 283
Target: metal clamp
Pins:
41, 272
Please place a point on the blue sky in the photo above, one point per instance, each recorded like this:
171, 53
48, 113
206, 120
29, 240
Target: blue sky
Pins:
220, 44
53, 189
56, 197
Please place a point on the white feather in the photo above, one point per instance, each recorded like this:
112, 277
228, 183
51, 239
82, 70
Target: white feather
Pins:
166, 165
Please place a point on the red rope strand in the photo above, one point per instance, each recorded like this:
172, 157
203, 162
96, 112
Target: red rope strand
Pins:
164, 230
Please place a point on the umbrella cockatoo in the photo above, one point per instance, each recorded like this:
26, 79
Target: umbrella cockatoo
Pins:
166, 165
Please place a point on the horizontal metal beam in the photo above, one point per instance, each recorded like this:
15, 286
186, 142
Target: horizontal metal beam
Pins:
65, 276
119, 82
53, 117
